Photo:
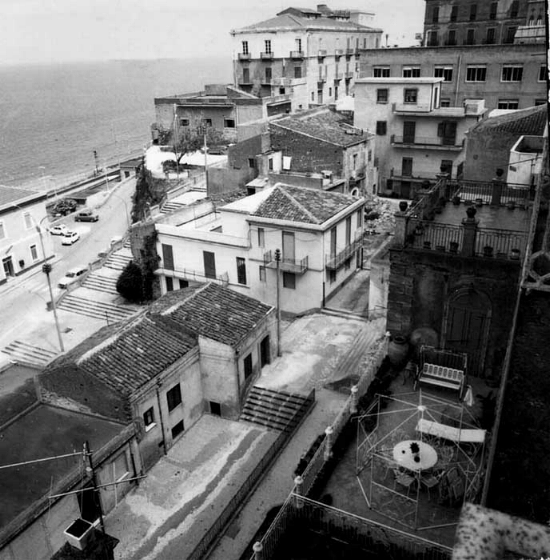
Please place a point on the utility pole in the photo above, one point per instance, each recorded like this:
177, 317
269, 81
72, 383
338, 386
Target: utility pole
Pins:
96, 160
205, 160
91, 472
278, 261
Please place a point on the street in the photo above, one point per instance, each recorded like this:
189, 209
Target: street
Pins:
24, 300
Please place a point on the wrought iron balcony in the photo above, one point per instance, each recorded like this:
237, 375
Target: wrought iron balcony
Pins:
333, 262
194, 275
296, 266
432, 142
321, 53
296, 54
338, 52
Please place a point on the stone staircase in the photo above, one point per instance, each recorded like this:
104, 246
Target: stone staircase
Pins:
277, 410
171, 206
343, 313
118, 260
25, 353
102, 310
96, 281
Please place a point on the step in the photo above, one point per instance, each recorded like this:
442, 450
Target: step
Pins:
96, 309
269, 405
101, 283
28, 353
295, 396
344, 314
296, 402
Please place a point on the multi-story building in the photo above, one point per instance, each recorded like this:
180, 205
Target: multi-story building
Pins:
312, 54
416, 138
24, 241
317, 234
219, 108
486, 50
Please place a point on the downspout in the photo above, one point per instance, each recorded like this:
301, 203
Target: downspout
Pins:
161, 418
459, 62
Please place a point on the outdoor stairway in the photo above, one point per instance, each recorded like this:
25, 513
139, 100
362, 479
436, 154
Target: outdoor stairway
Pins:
118, 260
344, 313
96, 309
277, 410
96, 281
171, 206
24, 353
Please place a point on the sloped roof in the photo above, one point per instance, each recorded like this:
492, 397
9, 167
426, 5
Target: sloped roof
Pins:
214, 312
127, 355
9, 195
325, 125
524, 121
288, 22
301, 204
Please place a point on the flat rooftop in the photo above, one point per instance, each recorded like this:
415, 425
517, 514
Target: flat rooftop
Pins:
499, 217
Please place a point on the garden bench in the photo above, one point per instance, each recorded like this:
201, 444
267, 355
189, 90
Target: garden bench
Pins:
442, 431
441, 376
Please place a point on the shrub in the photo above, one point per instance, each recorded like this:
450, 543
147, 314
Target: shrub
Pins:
130, 283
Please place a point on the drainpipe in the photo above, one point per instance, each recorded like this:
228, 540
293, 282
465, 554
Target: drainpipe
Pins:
459, 62
161, 419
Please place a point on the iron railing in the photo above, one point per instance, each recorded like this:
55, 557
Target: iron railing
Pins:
440, 142
491, 193
500, 243
195, 276
215, 531
296, 266
433, 235
333, 262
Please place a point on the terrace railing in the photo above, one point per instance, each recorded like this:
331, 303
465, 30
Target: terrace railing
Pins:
296, 266
494, 192
334, 262
432, 235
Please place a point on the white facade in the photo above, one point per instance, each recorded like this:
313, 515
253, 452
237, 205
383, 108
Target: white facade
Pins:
415, 137
24, 239
525, 160
237, 249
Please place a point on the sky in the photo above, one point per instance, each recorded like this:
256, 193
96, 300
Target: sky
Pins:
46, 31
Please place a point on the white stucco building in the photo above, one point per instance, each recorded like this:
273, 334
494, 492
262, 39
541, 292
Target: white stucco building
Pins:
318, 234
416, 138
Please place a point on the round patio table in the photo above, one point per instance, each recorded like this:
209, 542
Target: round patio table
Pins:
404, 457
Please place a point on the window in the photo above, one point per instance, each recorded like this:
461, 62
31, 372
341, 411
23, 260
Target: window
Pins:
169, 284
2, 231
473, 12
167, 257
262, 273
261, 237
432, 39
34, 253
330, 92
470, 37
173, 397
510, 35
251, 163
476, 73
508, 104
359, 218
454, 13
539, 102
267, 46
247, 364
149, 419
493, 10
451, 37
209, 260
270, 164
381, 71
246, 75
297, 71
268, 74
435, 14
177, 429
215, 408
282, 91
354, 161
491, 34
332, 276
241, 270
445, 102
411, 71
445, 72
381, 128
289, 280
28, 220
312, 96
407, 167
299, 45
207, 122
514, 8
542, 73
229, 123
410, 95
382, 95
446, 166
512, 73
245, 47
184, 122
289, 247
183, 284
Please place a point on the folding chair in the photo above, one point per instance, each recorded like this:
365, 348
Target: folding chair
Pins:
403, 479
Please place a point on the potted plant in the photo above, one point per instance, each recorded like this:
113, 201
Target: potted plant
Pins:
427, 244
453, 247
479, 202
511, 204
415, 450
456, 200
514, 254
487, 251
403, 206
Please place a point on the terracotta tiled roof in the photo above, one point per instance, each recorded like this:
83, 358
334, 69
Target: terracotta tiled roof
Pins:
300, 204
525, 121
127, 355
214, 312
325, 125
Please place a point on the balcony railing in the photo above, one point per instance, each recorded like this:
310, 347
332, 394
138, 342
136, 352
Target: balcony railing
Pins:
321, 53
266, 55
244, 56
493, 192
431, 142
338, 52
296, 266
338, 75
334, 262
194, 275
296, 54
350, 52
348, 75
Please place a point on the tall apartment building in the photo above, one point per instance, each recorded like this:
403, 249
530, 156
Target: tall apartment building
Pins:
486, 50
312, 54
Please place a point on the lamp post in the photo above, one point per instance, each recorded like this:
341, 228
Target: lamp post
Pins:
278, 261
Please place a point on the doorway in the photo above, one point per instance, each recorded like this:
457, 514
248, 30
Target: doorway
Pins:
265, 355
8, 266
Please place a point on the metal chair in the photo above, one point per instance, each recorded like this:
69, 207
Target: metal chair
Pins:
403, 479
429, 481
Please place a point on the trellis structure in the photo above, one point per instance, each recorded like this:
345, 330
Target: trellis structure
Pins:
446, 427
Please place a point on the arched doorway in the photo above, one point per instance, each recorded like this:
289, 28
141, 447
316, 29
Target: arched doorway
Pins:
466, 326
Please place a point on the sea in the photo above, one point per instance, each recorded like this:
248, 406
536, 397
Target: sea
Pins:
53, 117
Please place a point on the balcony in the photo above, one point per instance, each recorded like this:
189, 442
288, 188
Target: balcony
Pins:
350, 52
296, 266
321, 53
338, 53
338, 76
193, 275
244, 56
297, 54
266, 56
321, 79
334, 262
428, 143
348, 75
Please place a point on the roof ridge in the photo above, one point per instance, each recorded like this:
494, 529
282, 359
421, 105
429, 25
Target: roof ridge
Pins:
293, 18
300, 205
178, 304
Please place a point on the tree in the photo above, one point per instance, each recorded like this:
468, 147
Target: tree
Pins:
130, 283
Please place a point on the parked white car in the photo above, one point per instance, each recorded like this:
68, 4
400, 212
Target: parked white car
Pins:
60, 229
70, 237
72, 276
